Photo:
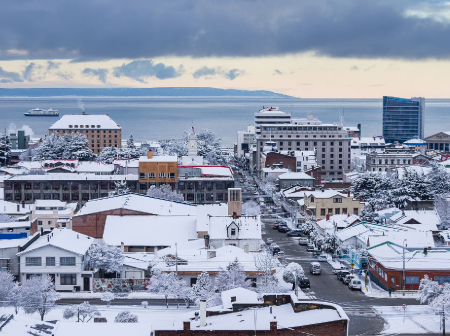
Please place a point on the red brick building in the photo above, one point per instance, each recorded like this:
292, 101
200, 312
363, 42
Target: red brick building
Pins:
386, 266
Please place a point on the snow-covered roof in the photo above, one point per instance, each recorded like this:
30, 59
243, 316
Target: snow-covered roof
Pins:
149, 230
249, 227
138, 259
445, 235
94, 166
415, 142
242, 295
130, 163
73, 177
417, 169
195, 254
213, 171
275, 170
15, 225
159, 158
137, 202
328, 193
14, 208
391, 256
363, 230
417, 239
295, 176
341, 221
64, 239
366, 141
85, 121
427, 219
204, 211
9, 243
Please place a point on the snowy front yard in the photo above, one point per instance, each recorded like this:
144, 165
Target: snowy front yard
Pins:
416, 320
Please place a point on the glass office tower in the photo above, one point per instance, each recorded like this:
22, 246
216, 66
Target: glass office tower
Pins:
403, 119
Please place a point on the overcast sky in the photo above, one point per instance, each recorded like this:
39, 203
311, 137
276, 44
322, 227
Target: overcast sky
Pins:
316, 48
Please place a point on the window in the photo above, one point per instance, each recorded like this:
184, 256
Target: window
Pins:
142, 175
330, 211
50, 261
68, 279
344, 211
322, 212
151, 175
233, 232
171, 175
33, 261
162, 175
67, 261
337, 211
355, 211
312, 199
441, 279
337, 200
412, 280
39, 222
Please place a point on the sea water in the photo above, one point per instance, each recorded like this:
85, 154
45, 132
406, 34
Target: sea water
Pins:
154, 118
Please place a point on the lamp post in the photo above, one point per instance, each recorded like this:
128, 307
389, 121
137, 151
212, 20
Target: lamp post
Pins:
404, 262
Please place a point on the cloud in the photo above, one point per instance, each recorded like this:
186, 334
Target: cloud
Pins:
370, 67
99, 73
205, 71
28, 73
53, 65
99, 30
143, 69
232, 74
9, 77
354, 68
277, 72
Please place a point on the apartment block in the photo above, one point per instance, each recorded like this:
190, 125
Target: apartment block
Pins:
100, 129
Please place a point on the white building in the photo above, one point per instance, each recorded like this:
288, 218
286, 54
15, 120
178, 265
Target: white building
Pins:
9, 261
61, 254
245, 141
271, 115
288, 180
51, 214
305, 159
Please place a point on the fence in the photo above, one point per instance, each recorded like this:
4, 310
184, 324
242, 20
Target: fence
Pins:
119, 285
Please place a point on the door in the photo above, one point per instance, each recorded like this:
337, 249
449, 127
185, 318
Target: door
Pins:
86, 284
394, 282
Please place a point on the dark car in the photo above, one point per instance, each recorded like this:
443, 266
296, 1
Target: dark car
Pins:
316, 253
342, 274
276, 226
294, 233
303, 282
283, 229
275, 250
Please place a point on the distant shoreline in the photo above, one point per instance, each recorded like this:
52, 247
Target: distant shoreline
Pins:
191, 92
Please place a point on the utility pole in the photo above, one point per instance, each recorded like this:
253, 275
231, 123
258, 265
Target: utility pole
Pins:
176, 259
404, 261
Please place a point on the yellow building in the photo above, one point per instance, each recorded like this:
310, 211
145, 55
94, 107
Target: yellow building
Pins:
329, 202
158, 169
100, 130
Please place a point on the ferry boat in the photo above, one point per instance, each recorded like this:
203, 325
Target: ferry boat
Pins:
37, 112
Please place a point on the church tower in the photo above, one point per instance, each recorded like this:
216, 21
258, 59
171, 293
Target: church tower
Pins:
192, 142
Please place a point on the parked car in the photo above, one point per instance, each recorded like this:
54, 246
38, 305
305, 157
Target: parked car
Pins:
275, 250
273, 245
269, 241
310, 247
283, 229
355, 284
303, 241
315, 268
276, 226
294, 233
316, 252
348, 278
303, 282
322, 257
281, 254
341, 274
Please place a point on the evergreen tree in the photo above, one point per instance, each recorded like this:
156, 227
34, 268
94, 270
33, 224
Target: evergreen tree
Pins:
120, 188
165, 192
76, 146
291, 272
109, 154
6, 286
232, 277
106, 258
5, 150
203, 289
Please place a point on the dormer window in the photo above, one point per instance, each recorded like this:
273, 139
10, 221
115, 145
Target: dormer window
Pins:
92, 126
70, 126
233, 232
312, 199
98, 126
81, 126
76, 126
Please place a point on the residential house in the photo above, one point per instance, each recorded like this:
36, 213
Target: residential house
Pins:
9, 261
330, 202
50, 214
15, 230
62, 255
288, 180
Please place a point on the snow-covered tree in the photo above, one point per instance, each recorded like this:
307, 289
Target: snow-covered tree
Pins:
107, 297
144, 304
108, 259
120, 188
6, 286
130, 151
165, 191
232, 276
439, 180
14, 298
428, 290
5, 218
162, 283
442, 207
203, 289
84, 312
108, 154
5, 150
68, 146
38, 294
126, 317
291, 272
251, 208
266, 265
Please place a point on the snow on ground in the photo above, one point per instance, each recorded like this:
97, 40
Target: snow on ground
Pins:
149, 316
417, 320
97, 295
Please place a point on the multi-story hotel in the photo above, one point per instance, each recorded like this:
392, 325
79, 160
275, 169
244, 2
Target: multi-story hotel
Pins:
100, 129
403, 119
331, 142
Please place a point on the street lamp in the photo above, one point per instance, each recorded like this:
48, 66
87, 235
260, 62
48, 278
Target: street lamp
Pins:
404, 262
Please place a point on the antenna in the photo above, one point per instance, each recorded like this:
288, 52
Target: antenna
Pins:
341, 117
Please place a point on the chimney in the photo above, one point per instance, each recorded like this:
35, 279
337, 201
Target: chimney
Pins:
206, 238
234, 202
150, 154
328, 217
42, 231
425, 250
210, 254
233, 299
18, 207
360, 198
122, 246
273, 326
155, 252
23, 204
246, 248
84, 113
186, 325
202, 313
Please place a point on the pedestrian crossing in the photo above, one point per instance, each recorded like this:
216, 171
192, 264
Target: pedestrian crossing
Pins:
362, 311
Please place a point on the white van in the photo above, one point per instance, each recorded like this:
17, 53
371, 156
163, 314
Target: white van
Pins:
355, 284
314, 268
